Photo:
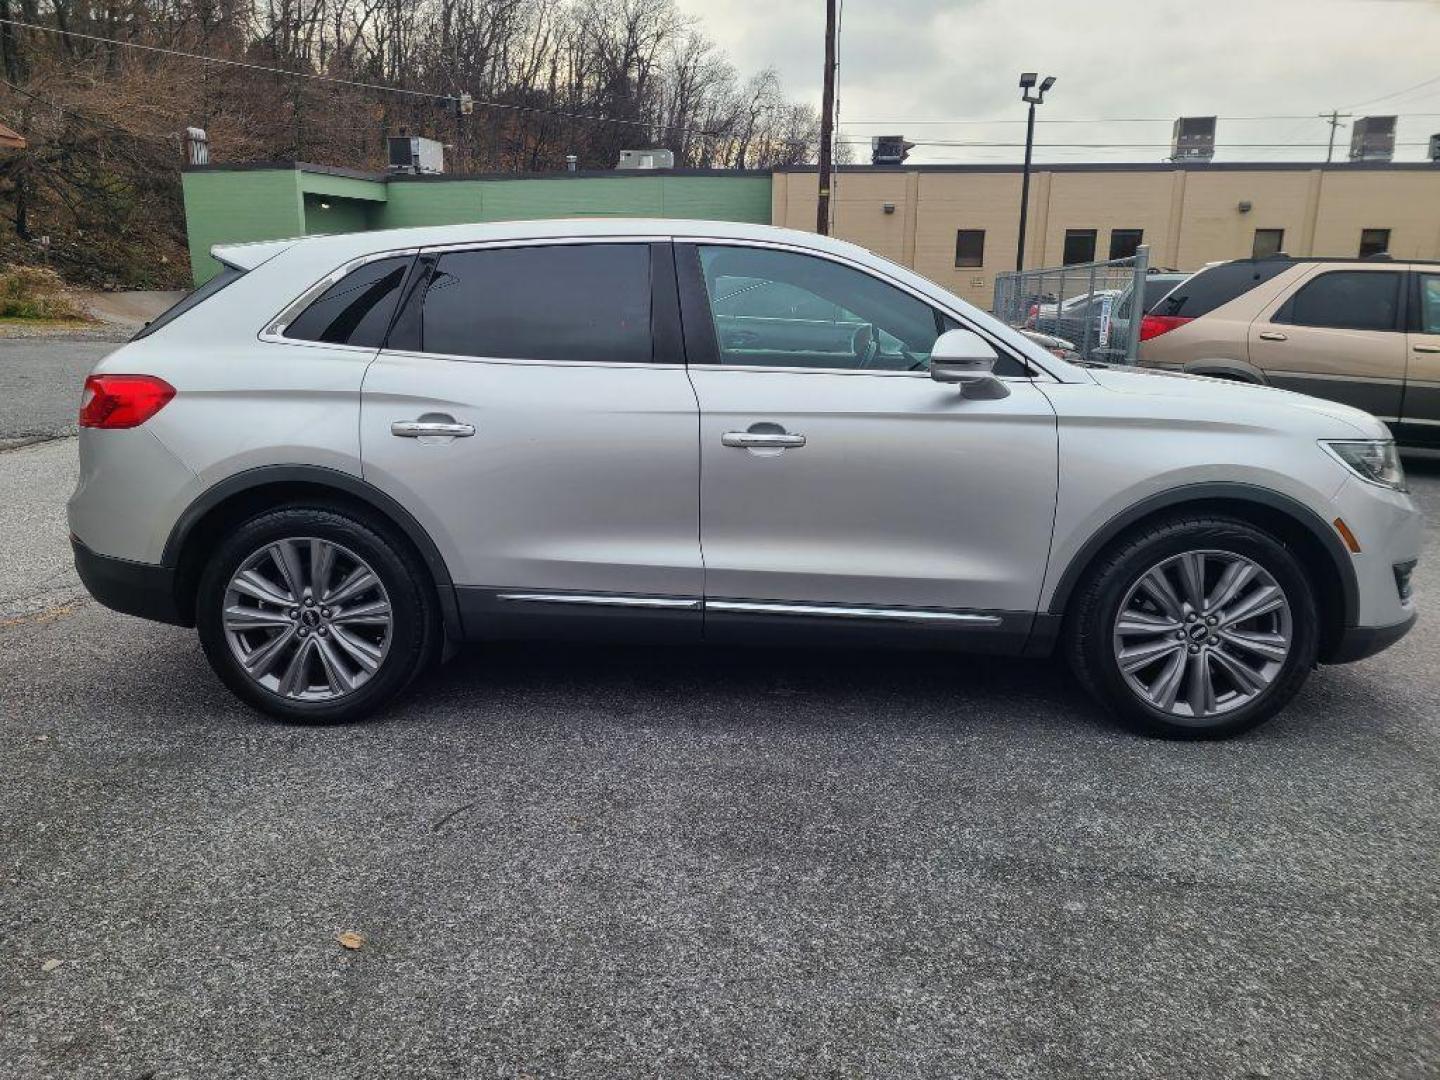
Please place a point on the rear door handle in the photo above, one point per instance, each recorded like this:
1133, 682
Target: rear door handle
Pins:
418, 429
1272, 335
758, 440
1427, 348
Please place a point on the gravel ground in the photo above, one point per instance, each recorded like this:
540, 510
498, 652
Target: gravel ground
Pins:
590, 862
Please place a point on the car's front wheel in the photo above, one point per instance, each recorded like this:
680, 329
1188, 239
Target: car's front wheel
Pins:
316, 616
1195, 628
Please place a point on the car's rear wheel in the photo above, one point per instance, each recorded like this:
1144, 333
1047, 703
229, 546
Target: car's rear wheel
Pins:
315, 616
1195, 628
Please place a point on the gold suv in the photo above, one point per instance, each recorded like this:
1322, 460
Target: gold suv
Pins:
1362, 332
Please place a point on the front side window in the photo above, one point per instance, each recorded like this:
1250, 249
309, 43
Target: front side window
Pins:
1430, 303
1374, 242
1079, 246
1124, 242
1267, 242
782, 309
584, 302
355, 310
1345, 300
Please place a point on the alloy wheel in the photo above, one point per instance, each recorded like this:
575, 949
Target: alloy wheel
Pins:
307, 619
1202, 634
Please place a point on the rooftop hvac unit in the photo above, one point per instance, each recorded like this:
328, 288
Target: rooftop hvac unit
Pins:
646, 159
412, 154
1193, 139
889, 149
1373, 139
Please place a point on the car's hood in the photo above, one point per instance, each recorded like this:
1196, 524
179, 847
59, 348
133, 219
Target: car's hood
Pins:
1228, 399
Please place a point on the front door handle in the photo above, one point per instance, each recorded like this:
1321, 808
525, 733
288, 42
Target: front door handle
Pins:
761, 440
419, 429
1427, 348
1272, 335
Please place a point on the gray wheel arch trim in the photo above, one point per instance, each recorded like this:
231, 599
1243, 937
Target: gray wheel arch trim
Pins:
341, 482
1230, 492
1231, 369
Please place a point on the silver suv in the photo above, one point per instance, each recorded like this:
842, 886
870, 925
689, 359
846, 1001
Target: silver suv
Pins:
345, 455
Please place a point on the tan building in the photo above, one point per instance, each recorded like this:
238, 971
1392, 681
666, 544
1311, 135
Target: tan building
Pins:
958, 224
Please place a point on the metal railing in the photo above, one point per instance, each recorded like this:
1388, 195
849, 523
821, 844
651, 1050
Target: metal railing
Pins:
1089, 305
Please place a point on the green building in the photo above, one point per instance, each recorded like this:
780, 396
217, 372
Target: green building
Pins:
232, 204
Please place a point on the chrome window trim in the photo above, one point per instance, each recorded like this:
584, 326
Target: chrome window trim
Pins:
274, 330
928, 301
520, 361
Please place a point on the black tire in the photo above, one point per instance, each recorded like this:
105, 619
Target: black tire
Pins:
1091, 621
414, 631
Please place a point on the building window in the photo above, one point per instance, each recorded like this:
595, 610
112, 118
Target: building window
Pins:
1079, 246
1267, 242
1123, 242
1374, 242
970, 247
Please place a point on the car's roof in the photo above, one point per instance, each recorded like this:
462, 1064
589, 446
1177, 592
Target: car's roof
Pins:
352, 245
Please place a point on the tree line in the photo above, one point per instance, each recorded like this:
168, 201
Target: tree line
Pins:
549, 78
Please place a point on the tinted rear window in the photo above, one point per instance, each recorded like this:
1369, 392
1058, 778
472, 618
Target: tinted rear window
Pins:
1156, 287
356, 310
564, 302
1212, 288
226, 276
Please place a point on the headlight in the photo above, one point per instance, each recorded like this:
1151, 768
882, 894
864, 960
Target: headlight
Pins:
1373, 460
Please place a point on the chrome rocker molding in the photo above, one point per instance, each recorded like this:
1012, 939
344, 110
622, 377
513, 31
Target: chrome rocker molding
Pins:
763, 607
493, 614
663, 603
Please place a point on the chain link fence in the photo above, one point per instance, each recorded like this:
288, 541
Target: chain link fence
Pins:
1087, 305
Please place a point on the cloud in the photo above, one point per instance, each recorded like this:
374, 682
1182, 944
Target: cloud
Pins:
913, 60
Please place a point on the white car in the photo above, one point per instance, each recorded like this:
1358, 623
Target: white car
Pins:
346, 455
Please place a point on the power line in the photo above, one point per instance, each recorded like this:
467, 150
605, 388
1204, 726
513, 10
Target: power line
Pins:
1397, 93
68, 111
359, 84
1108, 145
1094, 120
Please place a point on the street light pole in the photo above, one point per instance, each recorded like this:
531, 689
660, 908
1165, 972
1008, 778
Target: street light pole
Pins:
1027, 85
1025, 188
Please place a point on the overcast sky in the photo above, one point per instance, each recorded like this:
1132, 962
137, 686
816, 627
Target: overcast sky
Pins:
907, 61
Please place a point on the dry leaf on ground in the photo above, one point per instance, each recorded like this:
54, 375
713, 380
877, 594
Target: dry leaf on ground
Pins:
350, 939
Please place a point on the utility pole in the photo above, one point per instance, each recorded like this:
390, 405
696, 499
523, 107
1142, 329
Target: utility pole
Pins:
1333, 118
827, 123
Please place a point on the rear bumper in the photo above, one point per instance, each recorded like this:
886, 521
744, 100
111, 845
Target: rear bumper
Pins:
133, 588
1358, 642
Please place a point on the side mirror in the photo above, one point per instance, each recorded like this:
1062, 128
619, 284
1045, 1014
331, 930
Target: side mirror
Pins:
964, 359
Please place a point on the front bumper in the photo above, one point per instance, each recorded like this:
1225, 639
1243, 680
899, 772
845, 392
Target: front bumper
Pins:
133, 588
1359, 642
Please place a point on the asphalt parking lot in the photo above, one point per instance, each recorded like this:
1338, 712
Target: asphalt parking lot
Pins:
586, 862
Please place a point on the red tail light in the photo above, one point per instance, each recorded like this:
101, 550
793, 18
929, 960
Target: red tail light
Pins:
122, 401
1152, 326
